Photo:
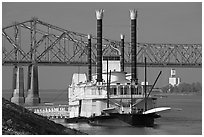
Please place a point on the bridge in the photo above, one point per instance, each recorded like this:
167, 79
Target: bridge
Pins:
48, 44
34, 42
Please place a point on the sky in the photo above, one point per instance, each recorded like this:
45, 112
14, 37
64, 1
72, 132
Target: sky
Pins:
157, 23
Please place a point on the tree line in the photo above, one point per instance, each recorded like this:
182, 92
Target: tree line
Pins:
183, 88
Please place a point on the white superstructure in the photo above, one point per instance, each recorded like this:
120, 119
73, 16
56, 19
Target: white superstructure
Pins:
90, 99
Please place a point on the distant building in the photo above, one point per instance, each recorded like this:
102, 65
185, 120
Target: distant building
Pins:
173, 80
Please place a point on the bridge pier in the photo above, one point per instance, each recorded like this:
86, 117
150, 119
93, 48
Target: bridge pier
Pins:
32, 98
18, 86
14, 77
29, 77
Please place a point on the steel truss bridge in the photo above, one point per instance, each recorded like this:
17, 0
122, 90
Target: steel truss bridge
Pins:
45, 44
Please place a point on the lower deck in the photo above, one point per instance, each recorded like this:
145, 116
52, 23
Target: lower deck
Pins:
97, 107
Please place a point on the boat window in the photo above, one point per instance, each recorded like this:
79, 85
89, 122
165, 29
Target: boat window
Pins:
125, 91
121, 91
93, 91
111, 91
134, 91
114, 91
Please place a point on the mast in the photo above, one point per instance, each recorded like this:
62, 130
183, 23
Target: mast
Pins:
145, 89
109, 81
154, 83
107, 87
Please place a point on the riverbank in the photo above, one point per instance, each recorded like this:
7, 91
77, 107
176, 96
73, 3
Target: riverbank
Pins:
177, 93
17, 120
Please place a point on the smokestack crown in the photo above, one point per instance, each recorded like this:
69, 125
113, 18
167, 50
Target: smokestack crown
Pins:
133, 14
99, 14
122, 36
89, 36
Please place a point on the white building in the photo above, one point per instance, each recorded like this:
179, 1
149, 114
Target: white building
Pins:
173, 80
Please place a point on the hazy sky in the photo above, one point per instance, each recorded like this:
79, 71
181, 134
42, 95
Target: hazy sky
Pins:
157, 23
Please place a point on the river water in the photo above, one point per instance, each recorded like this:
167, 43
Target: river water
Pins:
185, 118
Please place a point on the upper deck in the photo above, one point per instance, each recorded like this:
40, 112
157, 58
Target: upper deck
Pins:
120, 88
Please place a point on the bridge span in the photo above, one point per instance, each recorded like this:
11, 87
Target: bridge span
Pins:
51, 45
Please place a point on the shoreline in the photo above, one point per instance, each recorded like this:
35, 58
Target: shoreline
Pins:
181, 94
17, 120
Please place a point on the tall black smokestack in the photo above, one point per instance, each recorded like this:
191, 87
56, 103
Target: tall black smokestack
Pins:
89, 58
133, 17
122, 53
99, 17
